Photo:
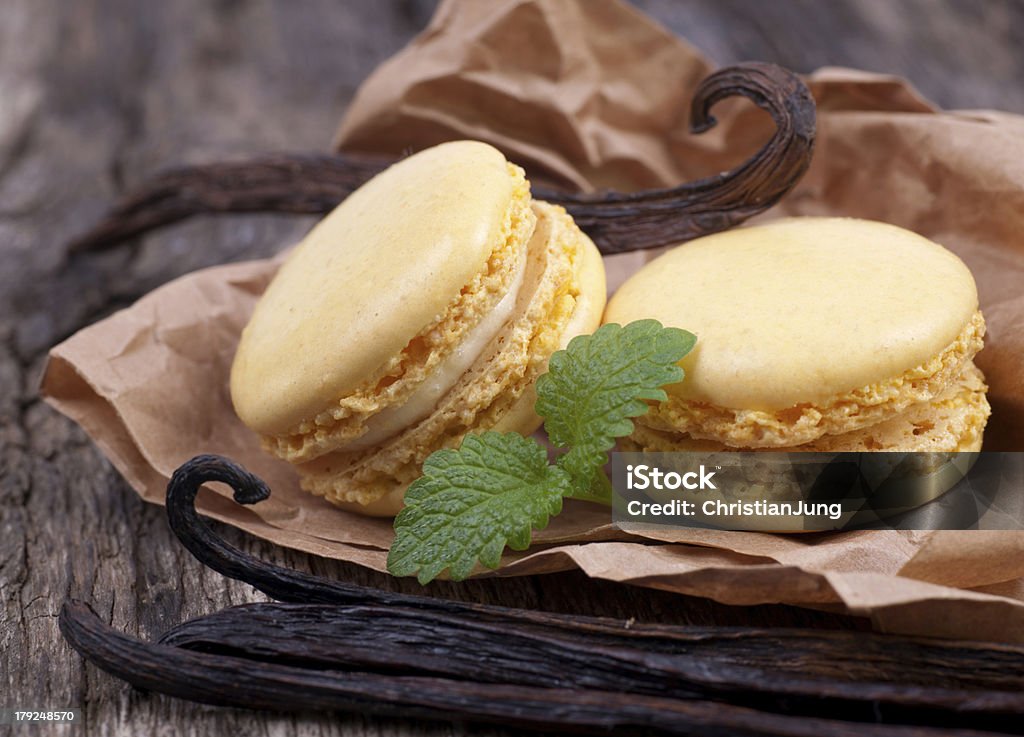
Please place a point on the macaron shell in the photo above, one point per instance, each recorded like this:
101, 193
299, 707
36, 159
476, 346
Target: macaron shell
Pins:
386, 506
367, 279
954, 421
592, 296
839, 414
497, 393
586, 318
802, 309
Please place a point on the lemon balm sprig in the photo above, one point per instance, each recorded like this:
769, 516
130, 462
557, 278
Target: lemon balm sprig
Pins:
496, 488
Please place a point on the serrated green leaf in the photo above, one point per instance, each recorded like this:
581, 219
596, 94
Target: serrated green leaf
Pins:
597, 384
472, 502
497, 488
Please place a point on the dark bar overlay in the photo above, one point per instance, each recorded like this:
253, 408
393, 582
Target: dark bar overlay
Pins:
810, 492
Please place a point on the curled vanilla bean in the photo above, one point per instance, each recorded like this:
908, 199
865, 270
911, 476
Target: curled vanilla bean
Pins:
616, 221
232, 681
620, 222
277, 582
285, 584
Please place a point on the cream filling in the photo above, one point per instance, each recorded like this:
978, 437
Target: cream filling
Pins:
393, 420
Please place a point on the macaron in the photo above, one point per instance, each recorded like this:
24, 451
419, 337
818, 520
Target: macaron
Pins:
827, 334
422, 308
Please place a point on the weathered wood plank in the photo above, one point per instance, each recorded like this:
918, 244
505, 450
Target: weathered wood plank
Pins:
959, 53
97, 94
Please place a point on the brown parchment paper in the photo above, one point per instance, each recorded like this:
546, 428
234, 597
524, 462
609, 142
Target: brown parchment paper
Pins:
595, 95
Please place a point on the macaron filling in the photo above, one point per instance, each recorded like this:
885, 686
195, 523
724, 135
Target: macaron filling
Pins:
422, 401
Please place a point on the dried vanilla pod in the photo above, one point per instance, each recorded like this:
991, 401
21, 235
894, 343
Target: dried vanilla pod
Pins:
620, 222
783, 671
616, 221
232, 681
277, 582
288, 183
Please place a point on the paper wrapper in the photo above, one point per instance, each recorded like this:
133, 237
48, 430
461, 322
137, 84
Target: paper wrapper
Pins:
596, 95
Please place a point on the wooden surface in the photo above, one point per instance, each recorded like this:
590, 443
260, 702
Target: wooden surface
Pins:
95, 95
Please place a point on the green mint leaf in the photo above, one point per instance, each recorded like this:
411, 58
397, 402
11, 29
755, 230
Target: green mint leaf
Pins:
597, 384
472, 502
497, 488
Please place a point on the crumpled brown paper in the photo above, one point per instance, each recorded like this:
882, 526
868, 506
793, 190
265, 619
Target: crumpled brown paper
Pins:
596, 95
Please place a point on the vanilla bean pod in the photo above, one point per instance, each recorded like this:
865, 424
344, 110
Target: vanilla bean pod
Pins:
286, 584
277, 582
296, 184
620, 222
230, 681
899, 684
616, 221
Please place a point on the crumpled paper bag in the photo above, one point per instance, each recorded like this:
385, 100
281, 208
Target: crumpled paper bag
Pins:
595, 95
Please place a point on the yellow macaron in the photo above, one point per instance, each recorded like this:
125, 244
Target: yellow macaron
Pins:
831, 334
422, 308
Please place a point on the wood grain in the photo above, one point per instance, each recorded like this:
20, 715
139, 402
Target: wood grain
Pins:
98, 94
